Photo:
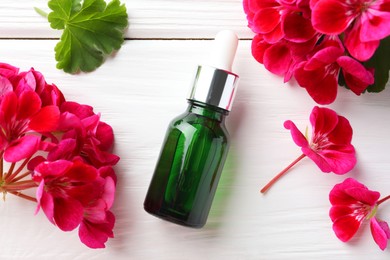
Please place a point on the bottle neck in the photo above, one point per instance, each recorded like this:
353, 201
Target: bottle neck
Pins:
205, 110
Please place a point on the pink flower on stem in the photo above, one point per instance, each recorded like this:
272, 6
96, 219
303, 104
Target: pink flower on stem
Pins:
330, 146
364, 22
352, 203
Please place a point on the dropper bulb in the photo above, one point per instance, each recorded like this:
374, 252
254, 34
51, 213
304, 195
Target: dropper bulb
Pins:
224, 50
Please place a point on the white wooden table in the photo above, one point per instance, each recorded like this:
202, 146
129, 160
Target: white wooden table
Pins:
142, 88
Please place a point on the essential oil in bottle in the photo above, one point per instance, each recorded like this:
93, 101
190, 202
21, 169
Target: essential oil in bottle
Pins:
196, 143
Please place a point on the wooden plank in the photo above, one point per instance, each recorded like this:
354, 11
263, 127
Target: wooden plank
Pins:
147, 18
138, 92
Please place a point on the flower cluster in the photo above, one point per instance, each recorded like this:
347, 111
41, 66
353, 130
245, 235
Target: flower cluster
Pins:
61, 149
320, 43
352, 203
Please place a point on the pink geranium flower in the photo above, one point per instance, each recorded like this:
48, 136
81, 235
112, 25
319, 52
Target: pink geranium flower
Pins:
364, 22
284, 19
85, 135
20, 115
352, 203
60, 148
330, 145
319, 74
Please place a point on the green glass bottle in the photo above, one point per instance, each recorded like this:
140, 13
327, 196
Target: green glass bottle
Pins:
196, 144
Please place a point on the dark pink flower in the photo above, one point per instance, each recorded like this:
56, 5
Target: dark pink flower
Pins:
98, 221
364, 22
278, 19
329, 147
20, 115
84, 135
319, 74
282, 57
64, 188
72, 171
352, 203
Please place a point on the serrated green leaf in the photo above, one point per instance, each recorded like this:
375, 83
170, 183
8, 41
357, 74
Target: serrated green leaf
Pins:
92, 30
380, 61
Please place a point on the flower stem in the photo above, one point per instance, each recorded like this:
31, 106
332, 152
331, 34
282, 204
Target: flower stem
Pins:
24, 196
277, 177
11, 177
383, 200
10, 171
22, 176
1, 166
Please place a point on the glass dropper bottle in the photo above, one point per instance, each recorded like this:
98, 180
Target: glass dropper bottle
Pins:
196, 143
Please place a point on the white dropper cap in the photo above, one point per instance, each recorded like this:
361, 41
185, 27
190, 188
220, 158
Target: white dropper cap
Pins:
223, 51
215, 84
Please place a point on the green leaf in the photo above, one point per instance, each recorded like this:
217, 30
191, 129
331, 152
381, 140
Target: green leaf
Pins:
92, 30
381, 63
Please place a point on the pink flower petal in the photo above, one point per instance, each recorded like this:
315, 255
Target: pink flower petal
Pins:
47, 205
346, 227
95, 235
297, 136
9, 106
277, 59
374, 25
357, 77
22, 148
340, 160
5, 87
320, 85
324, 121
275, 35
29, 104
380, 232
46, 120
340, 211
350, 191
259, 46
266, 20
53, 169
317, 159
68, 213
64, 150
342, 132
297, 28
361, 51
105, 135
330, 17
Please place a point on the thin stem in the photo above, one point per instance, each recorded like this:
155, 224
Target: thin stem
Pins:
1, 166
10, 171
21, 185
24, 196
383, 200
277, 177
10, 178
22, 176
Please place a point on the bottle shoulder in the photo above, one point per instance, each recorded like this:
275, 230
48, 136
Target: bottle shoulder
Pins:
190, 122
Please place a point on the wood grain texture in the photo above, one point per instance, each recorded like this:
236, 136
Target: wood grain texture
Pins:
140, 89
147, 18
138, 92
